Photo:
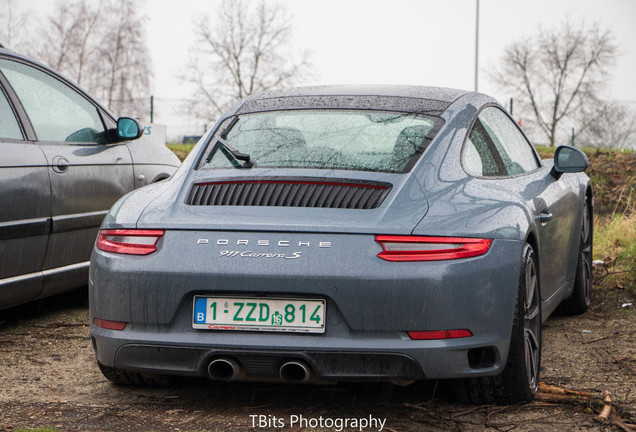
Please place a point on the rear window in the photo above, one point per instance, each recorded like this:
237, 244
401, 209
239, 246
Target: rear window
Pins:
329, 139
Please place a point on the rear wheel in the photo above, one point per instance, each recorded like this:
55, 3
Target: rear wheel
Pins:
122, 377
520, 379
581, 296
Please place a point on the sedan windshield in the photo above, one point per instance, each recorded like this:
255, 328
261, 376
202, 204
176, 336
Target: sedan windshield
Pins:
329, 139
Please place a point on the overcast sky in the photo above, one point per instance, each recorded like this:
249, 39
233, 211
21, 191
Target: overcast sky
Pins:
424, 42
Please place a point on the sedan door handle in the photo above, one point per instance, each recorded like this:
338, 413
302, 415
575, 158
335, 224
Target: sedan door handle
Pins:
545, 217
60, 164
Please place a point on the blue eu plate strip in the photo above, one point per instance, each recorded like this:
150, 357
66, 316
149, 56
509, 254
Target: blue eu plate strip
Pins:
200, 307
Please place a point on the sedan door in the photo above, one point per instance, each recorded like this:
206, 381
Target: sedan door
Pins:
25, 212
88, 174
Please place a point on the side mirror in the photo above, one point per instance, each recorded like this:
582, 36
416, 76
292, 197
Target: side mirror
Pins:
128, 129
568, 160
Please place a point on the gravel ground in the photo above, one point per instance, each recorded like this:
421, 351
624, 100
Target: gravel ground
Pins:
50, 379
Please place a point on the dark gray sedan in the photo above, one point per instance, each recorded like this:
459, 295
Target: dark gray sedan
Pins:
64, 161
345, 234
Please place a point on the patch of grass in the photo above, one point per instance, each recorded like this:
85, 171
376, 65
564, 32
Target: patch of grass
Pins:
598, 178
599, 185
615, 244
181, 147
181, 150
547, 152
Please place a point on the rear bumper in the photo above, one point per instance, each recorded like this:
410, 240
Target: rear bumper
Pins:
405, 360
371, 304
265, 365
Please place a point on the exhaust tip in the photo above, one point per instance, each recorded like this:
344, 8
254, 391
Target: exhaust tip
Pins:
223, 369
295, 372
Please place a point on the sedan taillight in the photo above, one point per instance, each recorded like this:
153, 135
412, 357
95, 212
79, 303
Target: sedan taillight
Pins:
420, 248
128, 241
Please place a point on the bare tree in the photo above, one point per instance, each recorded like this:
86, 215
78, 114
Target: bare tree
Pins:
557, 76
13, 23
100, 44
243, 51
614, 125
74, 31
124, 58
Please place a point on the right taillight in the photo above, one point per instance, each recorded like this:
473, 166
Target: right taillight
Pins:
128, 241
422, 248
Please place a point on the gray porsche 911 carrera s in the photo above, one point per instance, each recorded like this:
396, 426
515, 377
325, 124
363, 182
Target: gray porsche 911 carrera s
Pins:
339, 233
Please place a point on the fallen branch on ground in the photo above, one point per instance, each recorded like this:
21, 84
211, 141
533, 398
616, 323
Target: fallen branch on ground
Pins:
545, 388
607, 408
550, 393
625, 426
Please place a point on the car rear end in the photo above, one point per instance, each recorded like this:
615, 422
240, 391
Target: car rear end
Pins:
300, 266
346, 313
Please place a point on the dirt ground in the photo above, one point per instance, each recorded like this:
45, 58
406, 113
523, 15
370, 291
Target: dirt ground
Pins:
50, 379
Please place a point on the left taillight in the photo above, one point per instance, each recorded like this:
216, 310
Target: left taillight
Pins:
128, 241
422, 248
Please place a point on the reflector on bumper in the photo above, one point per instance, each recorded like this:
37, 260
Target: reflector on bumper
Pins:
109, 325
439, 334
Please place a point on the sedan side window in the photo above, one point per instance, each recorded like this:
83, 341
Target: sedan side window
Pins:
9, 127
515, 151
57, 112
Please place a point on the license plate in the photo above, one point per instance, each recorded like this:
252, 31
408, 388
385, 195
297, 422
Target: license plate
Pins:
259, 314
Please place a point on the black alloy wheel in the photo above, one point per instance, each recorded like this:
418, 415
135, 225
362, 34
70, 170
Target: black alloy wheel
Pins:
581, 297
519, 380
532, 323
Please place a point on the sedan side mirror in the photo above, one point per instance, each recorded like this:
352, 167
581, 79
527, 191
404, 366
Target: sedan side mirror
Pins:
568, 160
128, 129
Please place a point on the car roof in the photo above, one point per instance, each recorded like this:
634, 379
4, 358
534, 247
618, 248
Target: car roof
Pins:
412, 91
402, 98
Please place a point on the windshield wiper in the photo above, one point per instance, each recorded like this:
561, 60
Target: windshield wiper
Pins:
233, 155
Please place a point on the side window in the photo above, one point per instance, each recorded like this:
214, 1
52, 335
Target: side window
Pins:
9, 127
57, 112
480, 157
495, 147
515, 151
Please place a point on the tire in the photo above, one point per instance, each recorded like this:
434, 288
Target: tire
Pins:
519, 380
581, 297
126, 378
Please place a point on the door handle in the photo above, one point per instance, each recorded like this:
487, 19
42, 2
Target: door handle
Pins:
60, 164
545, 217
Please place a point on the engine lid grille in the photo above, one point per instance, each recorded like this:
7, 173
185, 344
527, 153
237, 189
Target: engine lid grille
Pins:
290, 192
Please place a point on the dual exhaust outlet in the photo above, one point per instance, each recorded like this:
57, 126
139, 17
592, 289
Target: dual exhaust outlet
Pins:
228, 369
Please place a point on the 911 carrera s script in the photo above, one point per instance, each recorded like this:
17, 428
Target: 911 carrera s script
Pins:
251, 254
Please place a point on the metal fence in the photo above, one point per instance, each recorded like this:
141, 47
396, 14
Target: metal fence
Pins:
614, 126
181, 124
